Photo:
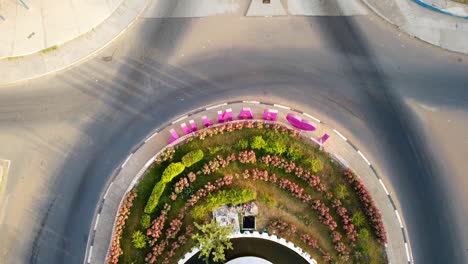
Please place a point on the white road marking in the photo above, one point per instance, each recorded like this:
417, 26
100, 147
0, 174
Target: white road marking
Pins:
180, 119
383, 185
215, 106
399, 219
107, 192
407, 252
90, 254
149, 162
364, 157
251, 102
148, 139
340, 135
97, 221
125, 162
282, 106
317, 120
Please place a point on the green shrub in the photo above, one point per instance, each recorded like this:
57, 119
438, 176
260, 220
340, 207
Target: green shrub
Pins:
275, 147
358, 219
145, 221
364, 235
171, 171
294, 152
316, 165
192, 157
341, 192
234, 197
257, 143
154, 197
242, 144
138, 239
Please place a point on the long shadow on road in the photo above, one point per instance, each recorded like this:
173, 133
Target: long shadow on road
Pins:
413, 171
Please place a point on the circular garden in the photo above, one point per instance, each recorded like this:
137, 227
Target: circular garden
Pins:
302, 194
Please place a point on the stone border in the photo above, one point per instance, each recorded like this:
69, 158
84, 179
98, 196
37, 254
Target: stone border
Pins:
265, 236
356, 166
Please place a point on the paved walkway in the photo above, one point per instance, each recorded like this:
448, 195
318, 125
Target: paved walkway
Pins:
443, 30
124, 178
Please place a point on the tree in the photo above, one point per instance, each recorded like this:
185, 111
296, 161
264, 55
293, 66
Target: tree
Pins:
138, 239
212, 240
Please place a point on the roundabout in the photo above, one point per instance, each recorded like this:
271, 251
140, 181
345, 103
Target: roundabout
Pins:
397, 249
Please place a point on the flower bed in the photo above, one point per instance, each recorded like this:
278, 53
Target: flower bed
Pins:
306, 189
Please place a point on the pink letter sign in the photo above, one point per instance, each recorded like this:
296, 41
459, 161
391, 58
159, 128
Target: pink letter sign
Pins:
187, 130
298, 122
324, 138
174, 136
193, 125
270, 114
246, 113
206, 122
225, 116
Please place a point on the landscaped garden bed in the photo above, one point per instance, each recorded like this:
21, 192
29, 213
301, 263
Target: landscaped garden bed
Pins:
303, 196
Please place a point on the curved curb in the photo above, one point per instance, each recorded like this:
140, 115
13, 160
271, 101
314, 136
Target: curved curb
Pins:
436, 9
96, 218
257, 235
435, 31
74, 51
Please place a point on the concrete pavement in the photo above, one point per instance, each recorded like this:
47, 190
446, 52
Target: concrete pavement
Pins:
442, 30
134, 166
66, 133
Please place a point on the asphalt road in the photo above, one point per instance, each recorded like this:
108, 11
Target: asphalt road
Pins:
66, 133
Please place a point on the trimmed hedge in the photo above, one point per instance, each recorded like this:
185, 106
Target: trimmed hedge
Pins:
171, 171
154, 198
192, 157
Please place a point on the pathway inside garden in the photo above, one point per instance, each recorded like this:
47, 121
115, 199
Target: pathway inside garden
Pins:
124, 178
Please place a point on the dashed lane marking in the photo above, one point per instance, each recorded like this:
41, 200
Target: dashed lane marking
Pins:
97, 221
340, 135
363, 157
126, 160
251, 102
179, 119
215, 106
282, 106
108, 189
90, 254
383, 186
309, 116
399, 219
407, 252
152, 136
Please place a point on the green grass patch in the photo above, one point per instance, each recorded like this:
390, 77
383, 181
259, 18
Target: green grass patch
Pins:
273, 202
